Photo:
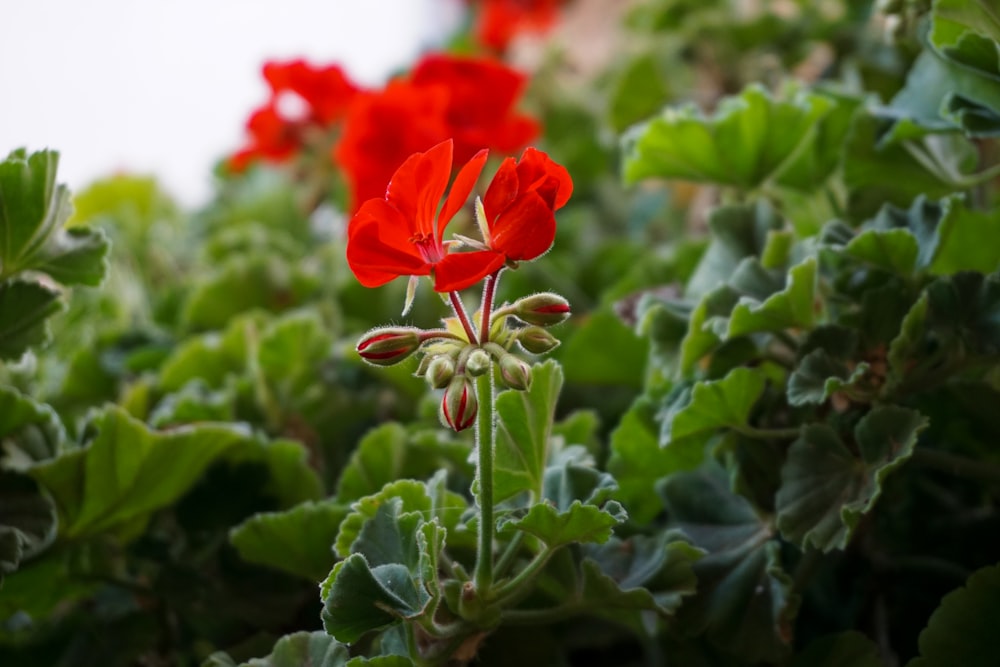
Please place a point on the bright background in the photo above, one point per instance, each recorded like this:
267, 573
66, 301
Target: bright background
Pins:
148, 86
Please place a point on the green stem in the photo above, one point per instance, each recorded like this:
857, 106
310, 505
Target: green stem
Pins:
509, 554
489, 291
542, 616
959, 466
512, 588
463, 317
485, 444
768, 433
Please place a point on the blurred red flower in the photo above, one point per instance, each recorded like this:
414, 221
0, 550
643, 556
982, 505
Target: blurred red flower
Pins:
470, 100
499, 21
399, 235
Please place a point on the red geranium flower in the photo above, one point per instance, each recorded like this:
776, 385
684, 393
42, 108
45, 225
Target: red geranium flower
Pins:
500, 21
400, 236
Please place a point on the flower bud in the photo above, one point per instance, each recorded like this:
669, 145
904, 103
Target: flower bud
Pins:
459, 406
440, 371
389, 345
514, 372
542, 310
478, 363
537, 340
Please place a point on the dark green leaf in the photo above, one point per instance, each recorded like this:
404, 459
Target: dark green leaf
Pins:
27, 520
24, 309
847, 648
820, 375
299, 541
29, 431
791, 308
962, 631
604, 351
304, 649
826, 489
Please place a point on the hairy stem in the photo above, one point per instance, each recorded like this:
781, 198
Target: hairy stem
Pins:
463, 317
485, 444
489, 291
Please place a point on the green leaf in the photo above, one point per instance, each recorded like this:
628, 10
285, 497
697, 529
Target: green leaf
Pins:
847, 648
304, 649
128, 471
820, 375
826, 490
27, 520
24, 309
29, 431
744, 603
32, 207
969, 241
712, 405
298, 541
586, 356
578, 523
701, 337
76, 256
962, 631
639, 92
894, 250
211, 357
388, 453
791, 308
524, 428
745, 142
637, 461
358, 598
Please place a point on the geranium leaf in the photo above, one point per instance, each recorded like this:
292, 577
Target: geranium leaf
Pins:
790, 308
299, 540
847, 648
970, 241
711, 405
76, 256
744, 603
747, 140
639, 92
962, 630
24, 310
584, 356
826, 489
638, 461
32, 207
212, 357
524, 427
129, 471
820, 375
27, 520
577, 523
358, 598
315, 649
29, 431
702, 337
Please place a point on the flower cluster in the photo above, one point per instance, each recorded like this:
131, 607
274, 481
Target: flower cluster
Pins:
402, 234
370, 133
499, 21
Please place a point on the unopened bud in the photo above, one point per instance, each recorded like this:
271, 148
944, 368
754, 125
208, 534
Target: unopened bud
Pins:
389, 345
440, 371
542, 310
514, 372
459, 406
478, 363
537, 340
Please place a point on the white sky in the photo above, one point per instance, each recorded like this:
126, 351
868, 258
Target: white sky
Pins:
164, 86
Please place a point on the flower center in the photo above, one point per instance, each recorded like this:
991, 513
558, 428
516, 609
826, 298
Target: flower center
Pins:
428, 247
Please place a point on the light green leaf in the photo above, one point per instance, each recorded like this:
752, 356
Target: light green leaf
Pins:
791, 308
962, 630
825, 489
578, 523
128, 471
894, 250
639, 92
745, 142
969, 241
587, 357
702, 337
24, 310
299, 540
32, 208
713, 405
211, 357
76, 256
524, 428
304, 649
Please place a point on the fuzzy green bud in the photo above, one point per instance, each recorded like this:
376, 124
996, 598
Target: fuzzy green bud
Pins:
542, 310
440, 371
537, 340
387, 346
478, 363
514, 372
459, 405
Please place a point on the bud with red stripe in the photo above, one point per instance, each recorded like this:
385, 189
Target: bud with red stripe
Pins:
459, 405
542, 310
386, 346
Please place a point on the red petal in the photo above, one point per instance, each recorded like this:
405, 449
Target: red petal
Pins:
526, 228
377, 246
502, 190
462, 269
536, 171
460, 189
418, 185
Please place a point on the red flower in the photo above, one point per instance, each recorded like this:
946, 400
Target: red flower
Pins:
470, 100
520, 205
402, 234
399, 235
271, 138
500, 21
